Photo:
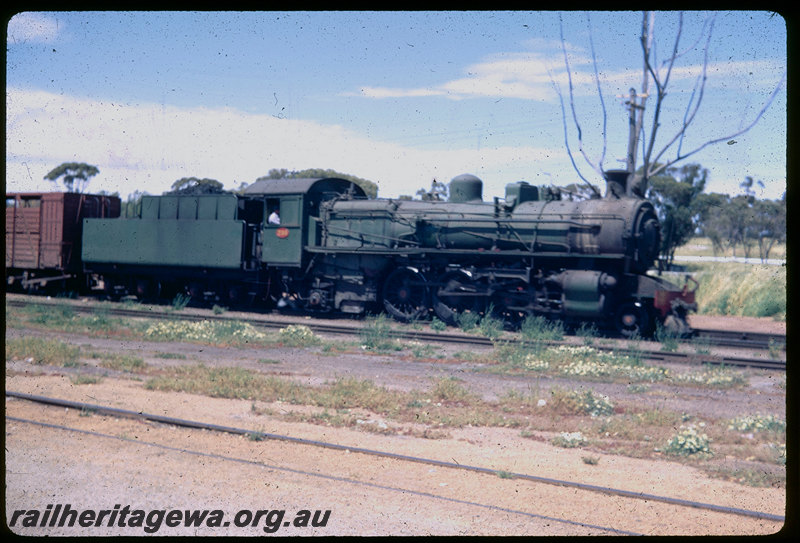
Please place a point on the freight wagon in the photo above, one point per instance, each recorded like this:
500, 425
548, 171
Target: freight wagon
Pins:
43, 237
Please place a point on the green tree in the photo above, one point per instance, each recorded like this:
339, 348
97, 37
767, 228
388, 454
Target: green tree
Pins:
437, 193
674, 194
132, 206
193, 185
769, 224
739, 219
370, 188
712, 219
74, 175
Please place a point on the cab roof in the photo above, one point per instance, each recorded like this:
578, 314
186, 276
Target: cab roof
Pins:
303, 186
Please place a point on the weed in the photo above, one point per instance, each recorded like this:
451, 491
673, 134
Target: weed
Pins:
171, 356
587, 331
757, 423
537, 329
468, 321
758, 478
775, 349
779, 453
449, 389
216, 382
420, 350
218, 309
42, 351
582, 403
689, 442
438, 325
131, 303
720, 377
346, 393
214, 332
298, 335
636, 388
569, 440
375, 336
701, 345
180, 301
667, 338
490, 326
268, 361
591, 460
55, 316
120, 362
81, 379
588, 362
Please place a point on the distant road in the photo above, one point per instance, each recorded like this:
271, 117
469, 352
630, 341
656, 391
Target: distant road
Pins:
769, 261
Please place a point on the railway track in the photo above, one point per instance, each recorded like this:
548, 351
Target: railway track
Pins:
744, 339
741, 340
573, 487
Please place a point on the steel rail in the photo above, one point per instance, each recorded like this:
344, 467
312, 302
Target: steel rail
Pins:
743, 338
125, 413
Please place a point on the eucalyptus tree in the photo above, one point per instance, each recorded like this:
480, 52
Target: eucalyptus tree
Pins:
74, 175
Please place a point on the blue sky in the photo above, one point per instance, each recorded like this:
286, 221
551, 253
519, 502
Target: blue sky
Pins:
399, 98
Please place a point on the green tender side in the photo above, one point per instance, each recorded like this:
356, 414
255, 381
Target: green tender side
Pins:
202, 243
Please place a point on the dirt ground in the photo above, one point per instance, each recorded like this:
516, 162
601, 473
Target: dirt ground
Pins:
153, 466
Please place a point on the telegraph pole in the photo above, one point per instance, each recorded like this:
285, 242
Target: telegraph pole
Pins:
633, 134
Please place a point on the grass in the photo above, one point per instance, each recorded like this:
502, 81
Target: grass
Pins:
42, 351
212, 332
577, 417
62, 317
180, 301
298, 335
746, 290
120, 361
171, 356
606, 425
376, 335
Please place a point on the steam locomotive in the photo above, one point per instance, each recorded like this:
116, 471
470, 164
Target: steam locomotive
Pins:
530, 253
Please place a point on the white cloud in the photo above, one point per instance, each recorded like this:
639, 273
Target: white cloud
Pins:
32, 27
510, 75
149, 146
530, 76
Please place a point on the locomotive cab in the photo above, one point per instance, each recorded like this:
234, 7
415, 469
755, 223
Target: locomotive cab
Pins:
298, 204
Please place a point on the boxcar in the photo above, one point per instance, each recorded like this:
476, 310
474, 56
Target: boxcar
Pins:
43, 236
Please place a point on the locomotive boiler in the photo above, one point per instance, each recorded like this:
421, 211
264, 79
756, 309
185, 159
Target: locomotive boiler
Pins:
529, 253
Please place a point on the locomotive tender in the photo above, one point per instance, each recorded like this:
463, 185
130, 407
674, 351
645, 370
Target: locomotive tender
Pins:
529, 253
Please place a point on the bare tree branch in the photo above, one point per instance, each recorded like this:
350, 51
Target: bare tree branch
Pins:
574, 115
691, 112
660, 73
600, 94
566, 136
661, 88
729, 136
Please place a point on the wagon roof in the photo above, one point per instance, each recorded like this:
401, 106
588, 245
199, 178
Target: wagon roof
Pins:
302, 186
